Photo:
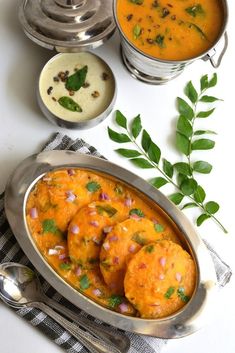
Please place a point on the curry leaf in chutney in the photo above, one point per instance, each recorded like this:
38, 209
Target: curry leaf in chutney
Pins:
75, 81
70, 104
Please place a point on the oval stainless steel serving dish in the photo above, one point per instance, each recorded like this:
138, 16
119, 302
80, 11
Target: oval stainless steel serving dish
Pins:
182, 323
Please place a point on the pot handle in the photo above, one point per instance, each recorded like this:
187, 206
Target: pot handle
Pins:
210, 56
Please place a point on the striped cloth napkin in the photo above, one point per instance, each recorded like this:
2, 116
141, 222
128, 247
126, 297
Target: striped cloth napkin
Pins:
10, 251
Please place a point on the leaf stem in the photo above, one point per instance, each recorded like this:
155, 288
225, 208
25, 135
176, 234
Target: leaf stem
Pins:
156, 166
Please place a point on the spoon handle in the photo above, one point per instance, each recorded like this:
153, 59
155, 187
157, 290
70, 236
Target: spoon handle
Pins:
93, 344
121, 342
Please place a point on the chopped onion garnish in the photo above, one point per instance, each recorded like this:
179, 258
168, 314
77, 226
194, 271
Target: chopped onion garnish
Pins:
46, 179
161, 276
92, 206
75, 229
59, 247
70, 196
78, 271
178, 276
33, 213
142, 266
162, 261
135, 216
128, 202
132, 248
154, 220
123, 307
94, 223
52, 252
71, 172
104, 196
92, 213
107, 229
96, 241
113, 238
62, 256
106, 246
97, 292
116, 260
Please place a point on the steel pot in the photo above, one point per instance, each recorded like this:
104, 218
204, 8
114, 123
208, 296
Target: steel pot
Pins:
156, 71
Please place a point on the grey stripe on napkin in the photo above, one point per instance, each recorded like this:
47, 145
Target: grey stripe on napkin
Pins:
10, 251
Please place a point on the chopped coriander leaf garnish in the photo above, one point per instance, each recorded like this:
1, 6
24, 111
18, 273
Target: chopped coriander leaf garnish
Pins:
149, 249
49, 226
158, 227
119, 190
93, 186
169, 292
115, 300
195, 10
181, 295
109, 210
139, 238
106, 264
65, 266
84, 282
160, 40
137, 2
137, 212
136, 31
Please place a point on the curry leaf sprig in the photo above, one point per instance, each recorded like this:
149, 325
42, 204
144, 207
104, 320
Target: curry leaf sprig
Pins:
146, 154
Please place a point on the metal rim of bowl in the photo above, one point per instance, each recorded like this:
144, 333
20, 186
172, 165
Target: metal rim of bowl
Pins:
182, 323
78, 125
200, 56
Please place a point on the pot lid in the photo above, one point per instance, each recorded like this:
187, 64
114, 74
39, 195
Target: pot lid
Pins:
67, 25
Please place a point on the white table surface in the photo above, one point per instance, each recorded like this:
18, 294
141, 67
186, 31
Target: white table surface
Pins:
23, 130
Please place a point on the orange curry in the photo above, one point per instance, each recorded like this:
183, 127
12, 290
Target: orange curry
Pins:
171, 29
104, 239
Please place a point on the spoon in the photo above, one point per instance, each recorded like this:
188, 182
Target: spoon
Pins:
20, 287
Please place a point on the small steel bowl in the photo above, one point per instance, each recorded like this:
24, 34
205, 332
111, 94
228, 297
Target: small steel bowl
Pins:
184, 322
155, 71
83, 124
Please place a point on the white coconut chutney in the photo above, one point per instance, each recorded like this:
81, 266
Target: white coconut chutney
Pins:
94, 97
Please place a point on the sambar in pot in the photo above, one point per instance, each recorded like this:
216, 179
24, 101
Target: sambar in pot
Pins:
159, 38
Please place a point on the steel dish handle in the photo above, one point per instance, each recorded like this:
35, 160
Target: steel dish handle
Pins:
210, 56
